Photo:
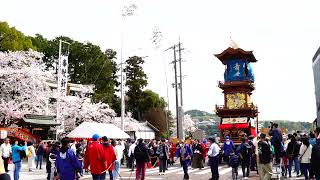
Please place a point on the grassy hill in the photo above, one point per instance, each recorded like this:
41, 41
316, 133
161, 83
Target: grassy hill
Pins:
290, 126
205, 121
202, 115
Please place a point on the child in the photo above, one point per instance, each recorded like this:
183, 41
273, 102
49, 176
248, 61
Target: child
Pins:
234, 163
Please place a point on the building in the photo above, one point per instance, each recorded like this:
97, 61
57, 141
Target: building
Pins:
136, 129
316, 75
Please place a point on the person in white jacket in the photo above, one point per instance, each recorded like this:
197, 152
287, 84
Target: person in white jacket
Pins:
305, 156
118, 149
31, 155
131, 155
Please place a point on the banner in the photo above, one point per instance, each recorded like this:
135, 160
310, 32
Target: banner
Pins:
234, 120
62, 76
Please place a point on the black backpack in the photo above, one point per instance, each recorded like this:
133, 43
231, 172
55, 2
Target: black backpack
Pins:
234, 161
245, 151
23, 154
265, 153
139, 154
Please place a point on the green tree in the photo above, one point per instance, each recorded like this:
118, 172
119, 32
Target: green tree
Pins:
116, 101
151, 100
136, 81
12, 39
87, 65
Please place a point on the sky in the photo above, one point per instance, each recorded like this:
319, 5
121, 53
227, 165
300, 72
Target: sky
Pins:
284, 36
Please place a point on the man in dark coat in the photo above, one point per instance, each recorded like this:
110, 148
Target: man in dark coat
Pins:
142, 157
276, 141
315, 156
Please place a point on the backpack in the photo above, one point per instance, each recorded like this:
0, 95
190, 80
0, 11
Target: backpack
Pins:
234, 161
23, 154
28, 153
265, 153
139, 154
245, 151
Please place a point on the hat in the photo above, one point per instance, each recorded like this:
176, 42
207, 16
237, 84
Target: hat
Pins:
95, 137
227, 137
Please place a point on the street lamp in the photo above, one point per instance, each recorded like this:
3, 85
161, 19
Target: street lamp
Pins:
127, 11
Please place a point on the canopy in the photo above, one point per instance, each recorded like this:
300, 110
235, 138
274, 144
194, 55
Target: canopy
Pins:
40, 120
87, 129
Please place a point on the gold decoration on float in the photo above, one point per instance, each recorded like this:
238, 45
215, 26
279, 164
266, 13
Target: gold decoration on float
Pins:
236, 100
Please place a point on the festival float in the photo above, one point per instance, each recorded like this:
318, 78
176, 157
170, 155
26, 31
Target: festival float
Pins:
238, 115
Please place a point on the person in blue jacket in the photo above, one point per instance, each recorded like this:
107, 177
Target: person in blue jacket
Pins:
67, 163
185, 153
228, 147
16, 159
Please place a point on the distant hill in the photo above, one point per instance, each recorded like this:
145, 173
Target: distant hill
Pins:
202, 115
205, 121
290, 126
195, 112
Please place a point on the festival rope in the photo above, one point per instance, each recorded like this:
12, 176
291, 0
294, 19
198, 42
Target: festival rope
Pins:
132, 171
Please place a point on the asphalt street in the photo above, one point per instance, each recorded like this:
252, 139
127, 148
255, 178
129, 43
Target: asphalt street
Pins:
173, 173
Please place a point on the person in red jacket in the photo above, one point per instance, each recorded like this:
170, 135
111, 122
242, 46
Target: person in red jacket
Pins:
205, 150
109, 155
95, 159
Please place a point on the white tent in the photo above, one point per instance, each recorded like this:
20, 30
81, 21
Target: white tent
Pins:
87, 129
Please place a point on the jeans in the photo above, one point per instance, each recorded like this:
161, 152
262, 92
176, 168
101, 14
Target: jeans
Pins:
17, 168
185, 170
141, 170
245, 166
131, 162
163, 165
116, 169
214, 163
39, 161
253, 163
296, 165
5, 163
277, 151
235, 173
110, 174
99, 176
306, 169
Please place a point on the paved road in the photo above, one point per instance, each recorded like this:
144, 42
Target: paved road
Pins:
173, 173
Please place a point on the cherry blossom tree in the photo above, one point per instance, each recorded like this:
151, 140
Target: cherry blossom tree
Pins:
189, 125
24, 90
23, 87
76, 110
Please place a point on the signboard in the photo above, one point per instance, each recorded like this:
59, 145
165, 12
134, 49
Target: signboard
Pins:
234, 120
63, 76
19, 133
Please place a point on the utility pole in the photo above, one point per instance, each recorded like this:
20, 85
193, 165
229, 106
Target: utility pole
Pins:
176, 88
180, 68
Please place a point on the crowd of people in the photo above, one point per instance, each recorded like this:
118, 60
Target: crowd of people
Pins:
70, 159
283, 152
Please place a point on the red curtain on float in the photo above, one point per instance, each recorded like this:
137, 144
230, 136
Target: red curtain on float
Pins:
234, 126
